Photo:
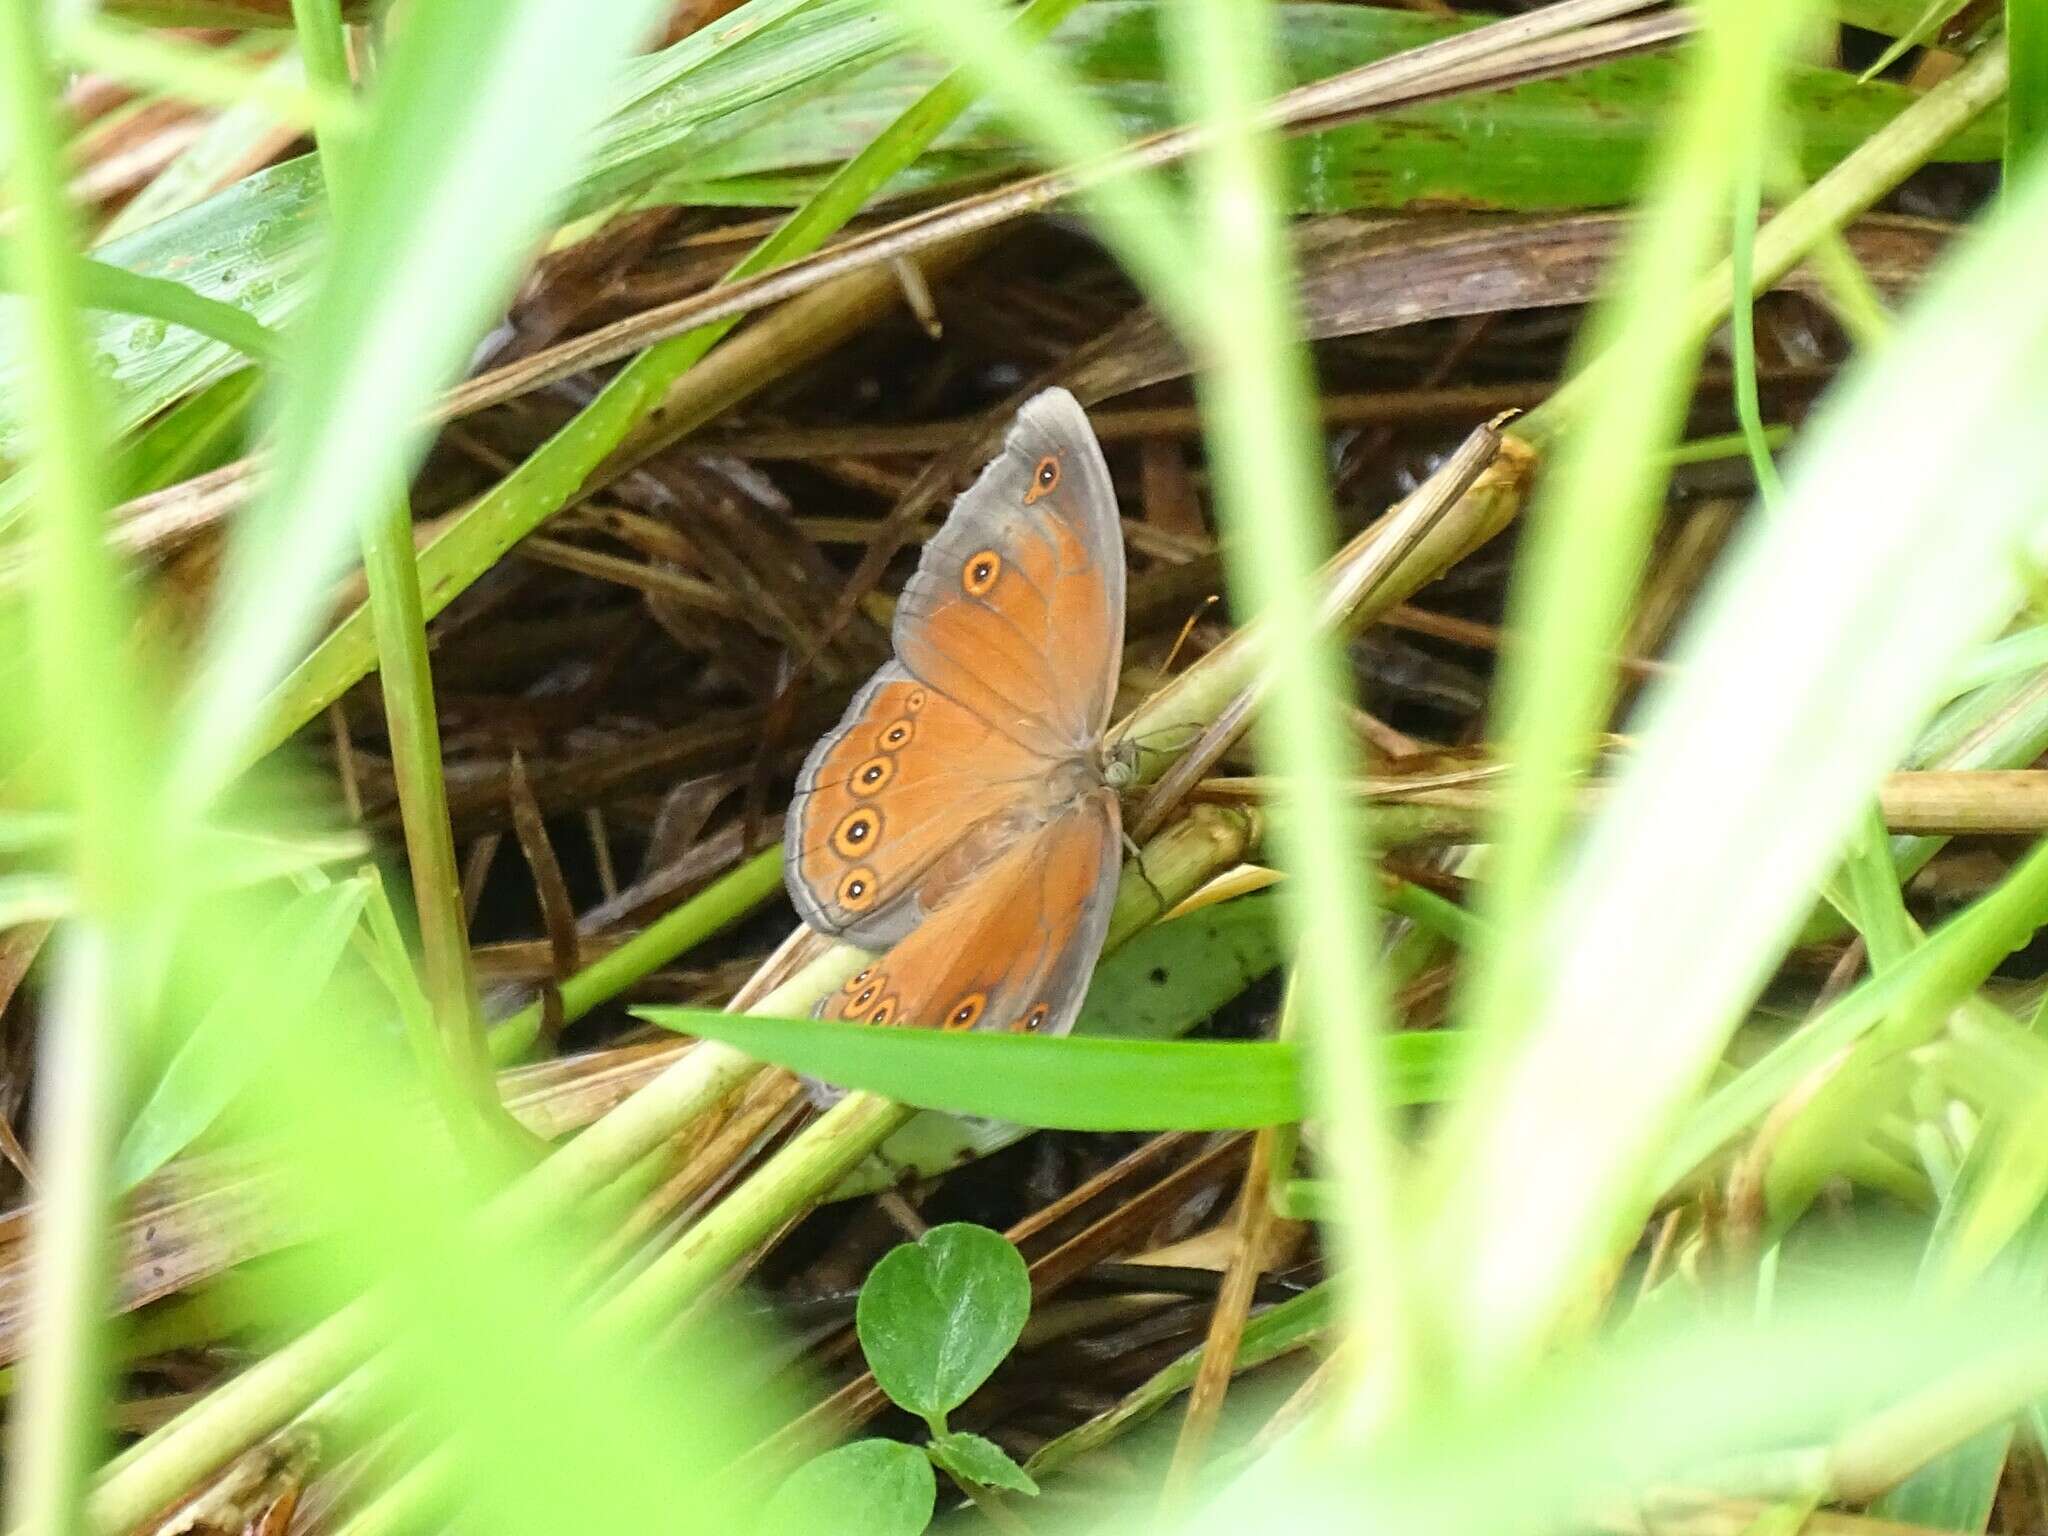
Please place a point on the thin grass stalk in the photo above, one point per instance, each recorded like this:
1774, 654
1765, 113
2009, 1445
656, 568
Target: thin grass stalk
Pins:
397, 616
86, 701
1742, 315
1255, 390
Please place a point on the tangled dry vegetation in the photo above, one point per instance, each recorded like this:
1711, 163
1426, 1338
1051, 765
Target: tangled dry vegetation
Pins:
624, 695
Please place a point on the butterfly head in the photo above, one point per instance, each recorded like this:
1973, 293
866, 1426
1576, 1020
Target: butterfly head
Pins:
1120, 764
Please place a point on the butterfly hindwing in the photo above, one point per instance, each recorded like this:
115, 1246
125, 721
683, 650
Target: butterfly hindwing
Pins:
1012, 950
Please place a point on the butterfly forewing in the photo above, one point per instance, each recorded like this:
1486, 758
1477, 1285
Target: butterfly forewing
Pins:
888, 805
1017, 607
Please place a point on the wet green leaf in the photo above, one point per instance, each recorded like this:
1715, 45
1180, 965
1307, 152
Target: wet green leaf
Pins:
937, 1316
979, 1460
868, 1488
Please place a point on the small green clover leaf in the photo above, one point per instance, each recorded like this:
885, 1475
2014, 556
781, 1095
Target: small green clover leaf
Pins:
868, 1488
976, 1460
937, 1316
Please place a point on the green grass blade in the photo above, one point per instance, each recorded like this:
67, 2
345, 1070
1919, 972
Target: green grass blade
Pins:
105, 286
1256, 390
1806, 676
1748, 186
723, 902
219, 1057
1075, 1084
1589, 530
2026, 110
1061, 1085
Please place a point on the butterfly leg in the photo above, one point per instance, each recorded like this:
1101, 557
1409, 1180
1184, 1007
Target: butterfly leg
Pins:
1138, 858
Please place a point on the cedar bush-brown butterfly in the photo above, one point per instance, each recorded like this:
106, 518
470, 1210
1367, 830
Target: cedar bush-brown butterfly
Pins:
963, 814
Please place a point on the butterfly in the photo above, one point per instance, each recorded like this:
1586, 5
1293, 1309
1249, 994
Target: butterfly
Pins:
963, 814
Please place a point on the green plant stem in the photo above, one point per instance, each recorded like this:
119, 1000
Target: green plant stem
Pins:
791, 1181
87, 700
1742, 318
398, 620
731, 896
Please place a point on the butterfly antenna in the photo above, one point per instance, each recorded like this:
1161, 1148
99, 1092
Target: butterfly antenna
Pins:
1186, 629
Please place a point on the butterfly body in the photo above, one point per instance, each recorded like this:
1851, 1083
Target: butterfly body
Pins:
963, 815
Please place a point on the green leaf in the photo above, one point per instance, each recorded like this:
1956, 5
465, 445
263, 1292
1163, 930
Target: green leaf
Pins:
1894, 18
1073, 1084
979, 1460
199, 433
222, 1054
1162, 983
103, 286
868, 1488
232, 139
1579, 141
252, 247
1070, 1084
1936, 16
937, 1316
